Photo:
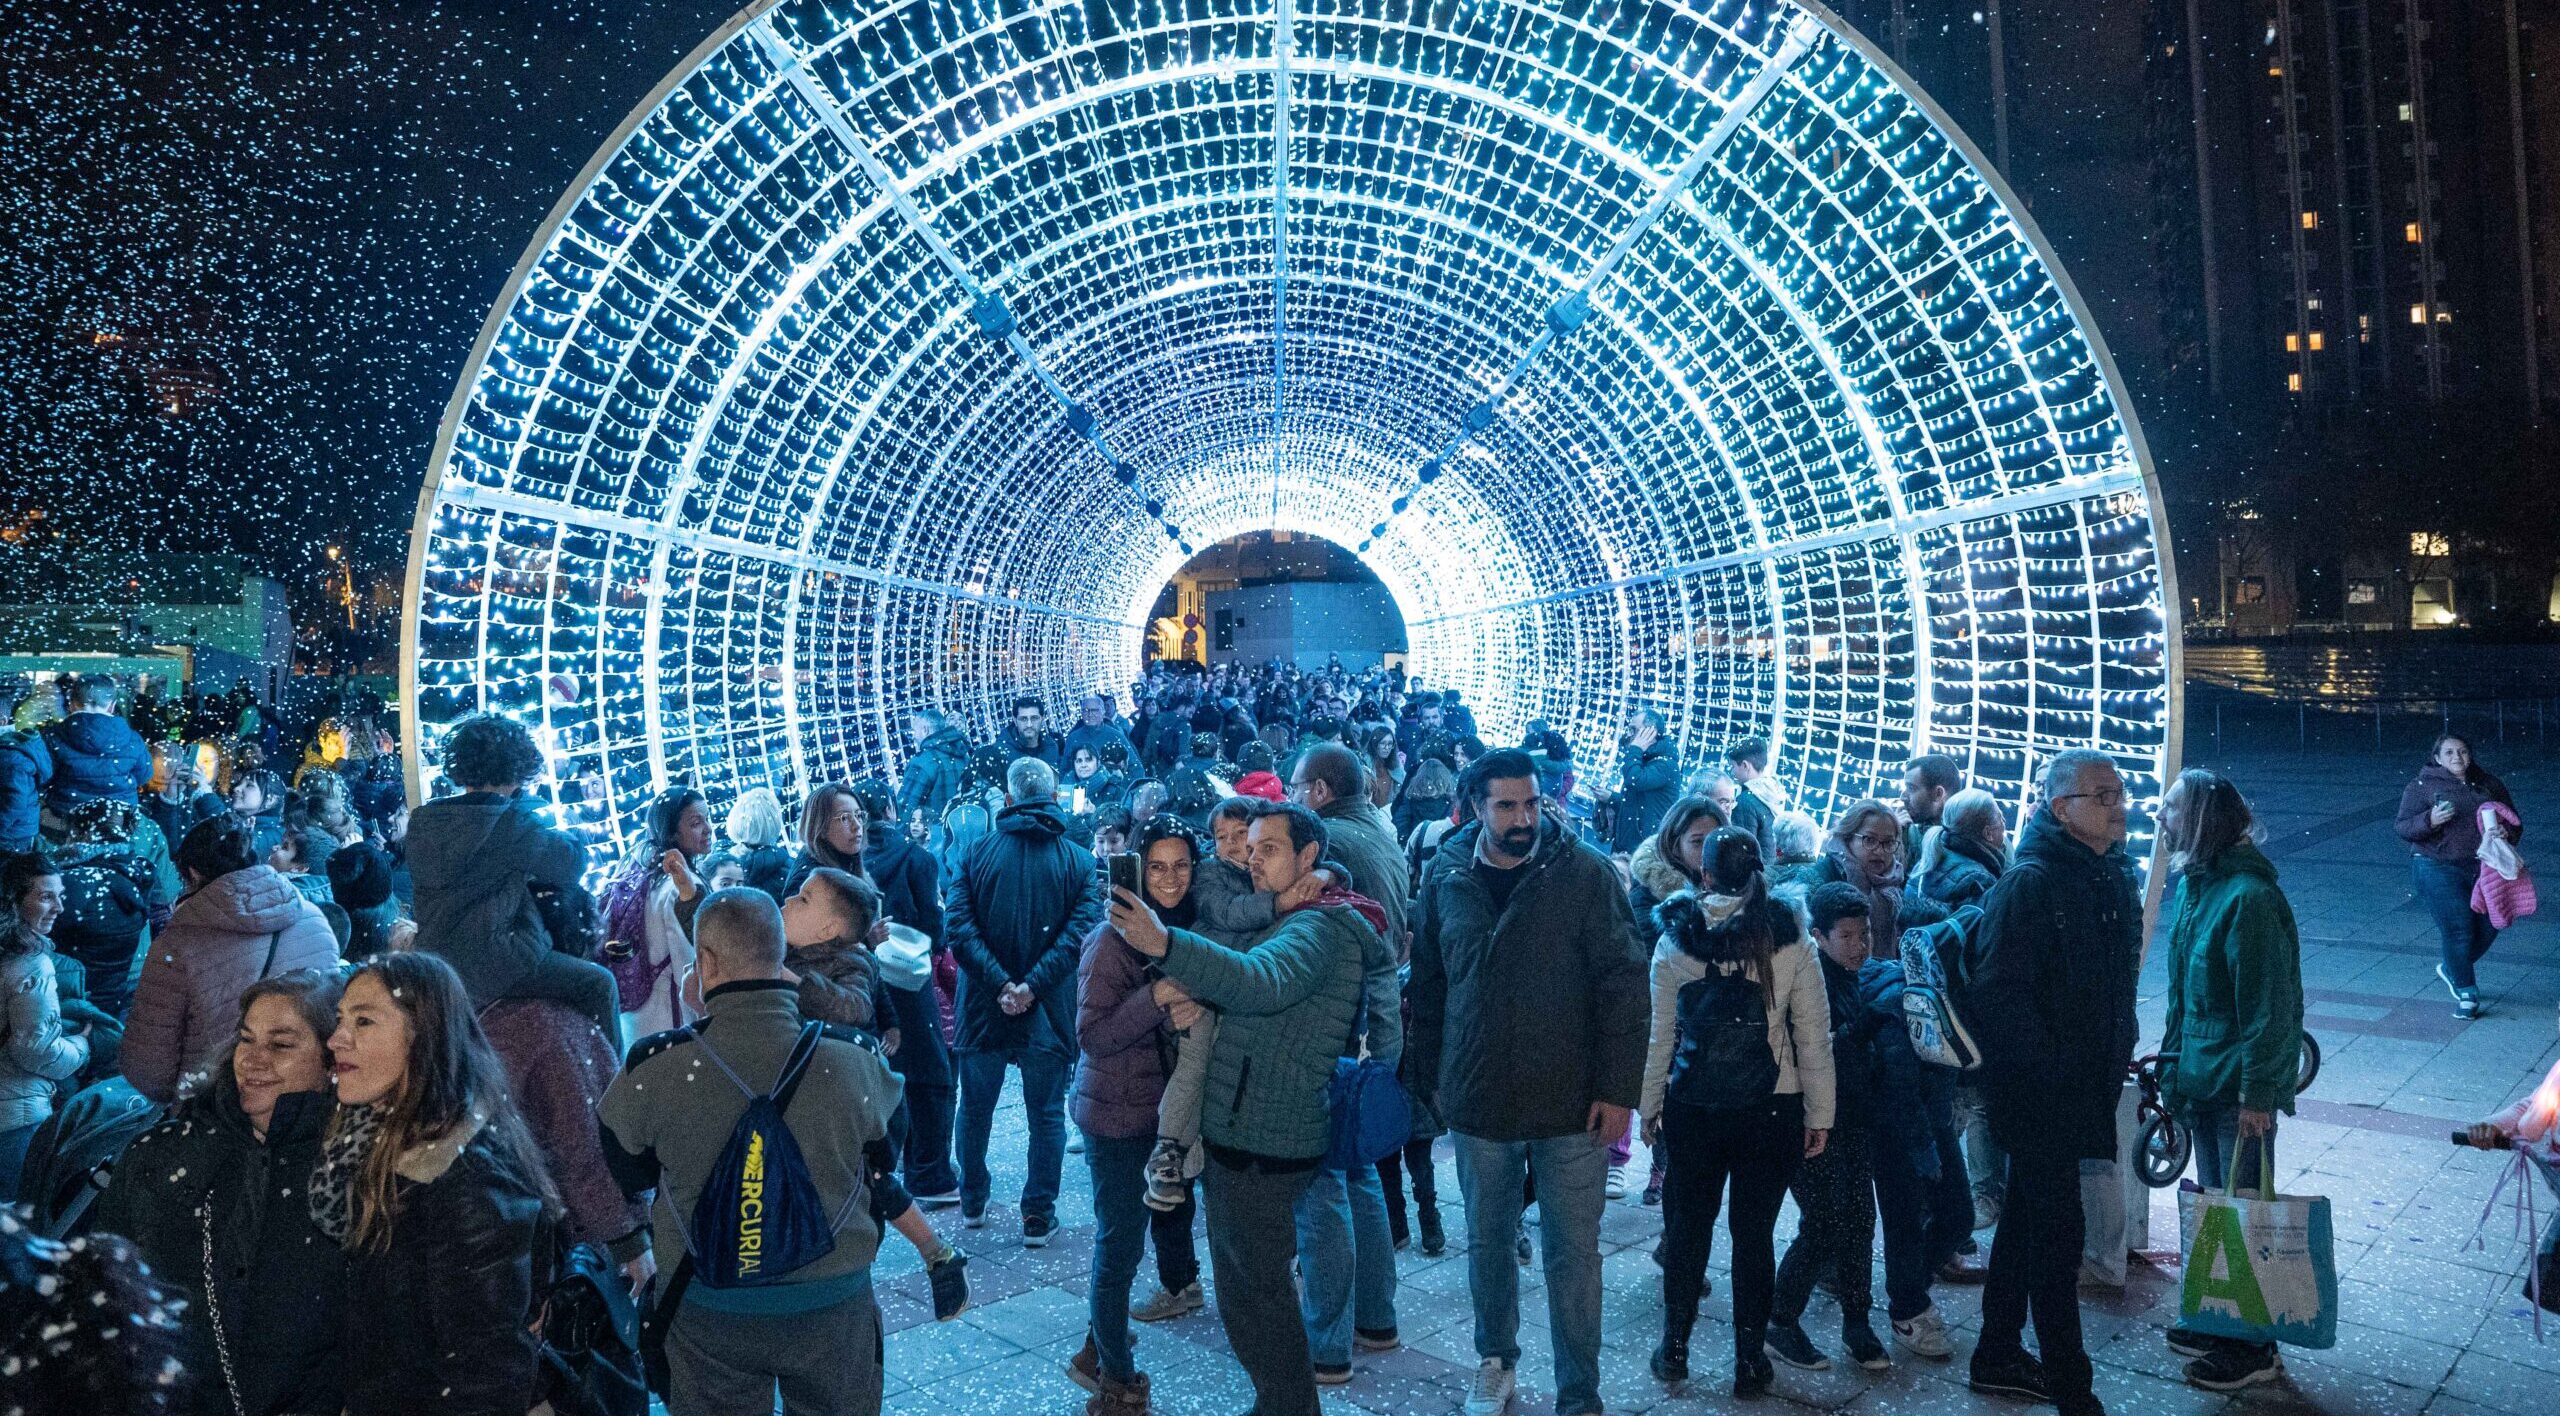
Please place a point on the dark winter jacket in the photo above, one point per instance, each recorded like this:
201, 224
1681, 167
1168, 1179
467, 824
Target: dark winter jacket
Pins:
278, 1283
436, 1319
1962, 876
1752, 814
96, 755
1522, 1020
2234, 1024
472, 857
910, 882
106, 910
768, 868
2052, 992
26, 769
2456, 842
1915, 1100
933, 775
1017, 911
235, 930
1856, 1080
1648, 782
1126, 1043
176, 818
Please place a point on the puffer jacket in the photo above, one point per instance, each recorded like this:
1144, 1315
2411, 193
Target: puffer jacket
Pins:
1017, 911
37, 1058
471, 858
1127, 1045
1965, 872
236, 930
436, 1319
2234, 1022
1523, 1019
2052, 992
96, 755
26, 769
1288, 1007
278, 1282
1799, 1001
933, 775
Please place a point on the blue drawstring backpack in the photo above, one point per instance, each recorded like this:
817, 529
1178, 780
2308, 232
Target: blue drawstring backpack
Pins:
758, 1218
1372, 1116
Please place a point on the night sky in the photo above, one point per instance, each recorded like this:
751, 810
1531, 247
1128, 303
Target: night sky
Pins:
248, 245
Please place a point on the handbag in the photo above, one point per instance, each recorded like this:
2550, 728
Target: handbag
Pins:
1372, 1116
2260, 1267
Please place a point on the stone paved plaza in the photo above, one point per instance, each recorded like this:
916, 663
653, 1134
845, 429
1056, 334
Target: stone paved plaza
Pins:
2428, 1324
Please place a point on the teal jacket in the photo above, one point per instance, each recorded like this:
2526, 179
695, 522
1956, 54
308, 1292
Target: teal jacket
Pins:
1287, 1005
2235, 986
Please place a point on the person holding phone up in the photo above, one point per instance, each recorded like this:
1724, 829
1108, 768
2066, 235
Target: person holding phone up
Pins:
2441, 819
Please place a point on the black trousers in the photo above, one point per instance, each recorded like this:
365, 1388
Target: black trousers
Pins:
1757, 1150
1177, 1256
1837, 1193
2035, 1269
1414, 1159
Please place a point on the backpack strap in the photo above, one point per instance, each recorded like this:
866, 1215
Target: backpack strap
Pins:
269, 966
796, 1065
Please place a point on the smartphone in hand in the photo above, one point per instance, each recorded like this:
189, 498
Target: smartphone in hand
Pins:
1122, 871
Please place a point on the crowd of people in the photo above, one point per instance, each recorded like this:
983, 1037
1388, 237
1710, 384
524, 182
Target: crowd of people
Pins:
398, 1081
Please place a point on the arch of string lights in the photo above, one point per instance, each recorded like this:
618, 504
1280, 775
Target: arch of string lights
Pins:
1656, 354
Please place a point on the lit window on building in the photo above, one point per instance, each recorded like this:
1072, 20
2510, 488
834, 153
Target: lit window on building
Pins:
2411, 232
2418, 314
2430, 543
2311, 221
2293, 383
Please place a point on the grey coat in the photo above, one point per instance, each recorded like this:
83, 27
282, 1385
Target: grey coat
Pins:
37, 1059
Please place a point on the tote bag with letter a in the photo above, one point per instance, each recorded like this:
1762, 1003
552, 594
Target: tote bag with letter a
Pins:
2261, 1267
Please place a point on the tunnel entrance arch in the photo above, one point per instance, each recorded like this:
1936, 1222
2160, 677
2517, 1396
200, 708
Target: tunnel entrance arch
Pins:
1669, 354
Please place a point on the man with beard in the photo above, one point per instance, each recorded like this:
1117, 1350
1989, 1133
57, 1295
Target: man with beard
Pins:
1530, 1010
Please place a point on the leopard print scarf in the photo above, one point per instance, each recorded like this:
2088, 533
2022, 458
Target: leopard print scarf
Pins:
333, 1179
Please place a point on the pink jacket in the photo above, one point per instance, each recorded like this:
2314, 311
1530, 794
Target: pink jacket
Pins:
187, 1004
2504, 901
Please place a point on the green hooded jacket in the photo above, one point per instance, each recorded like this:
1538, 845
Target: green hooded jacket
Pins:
2235, 986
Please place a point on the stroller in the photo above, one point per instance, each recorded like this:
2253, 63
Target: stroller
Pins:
76, 1149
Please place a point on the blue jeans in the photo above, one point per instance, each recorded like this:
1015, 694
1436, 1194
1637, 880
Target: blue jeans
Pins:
1119, 1244
1925, 1219
1572, 1173
2445, 891
1044, 1093
1347, 1260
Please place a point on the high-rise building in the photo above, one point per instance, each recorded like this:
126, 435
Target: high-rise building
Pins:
2349, 203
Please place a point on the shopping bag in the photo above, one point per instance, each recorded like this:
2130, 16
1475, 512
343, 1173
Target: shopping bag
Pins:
2261, 1267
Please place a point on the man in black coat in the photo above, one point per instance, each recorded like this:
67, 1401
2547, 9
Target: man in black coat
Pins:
1648, 779
1016, 914
2051, 1001
1747, 762
911, 894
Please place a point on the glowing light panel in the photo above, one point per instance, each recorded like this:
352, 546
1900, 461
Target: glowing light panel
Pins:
1659, 353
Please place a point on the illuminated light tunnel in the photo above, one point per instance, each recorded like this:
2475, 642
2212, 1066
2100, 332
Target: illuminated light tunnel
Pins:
1652, 354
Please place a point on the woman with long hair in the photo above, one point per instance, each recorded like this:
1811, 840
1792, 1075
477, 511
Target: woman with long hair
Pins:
679, 837
2233, 1035
213, 1195
2445, 814
833, 831
1664, 864
42, 1054
429, 1183
1963, 853
1737, 1086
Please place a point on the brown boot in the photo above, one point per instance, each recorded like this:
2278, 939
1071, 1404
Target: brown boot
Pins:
1118, 1400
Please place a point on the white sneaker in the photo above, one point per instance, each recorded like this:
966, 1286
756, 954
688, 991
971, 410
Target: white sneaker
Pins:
1490, 1393
1617, 1189
1925, 1336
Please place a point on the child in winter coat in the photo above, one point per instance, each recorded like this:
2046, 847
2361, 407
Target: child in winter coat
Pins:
830, 924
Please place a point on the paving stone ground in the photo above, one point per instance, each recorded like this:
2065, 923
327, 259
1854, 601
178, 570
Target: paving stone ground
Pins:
2429, 1324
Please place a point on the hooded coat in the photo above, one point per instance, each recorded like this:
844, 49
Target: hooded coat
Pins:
2234, 1022
471, 858
96, 755
1017, 911
1651, 879
1965, 872
235, 930
2456, 842
26, 769
39, 1059
2052, 992
933, 775
202, 1178
1648, 781
1692, 942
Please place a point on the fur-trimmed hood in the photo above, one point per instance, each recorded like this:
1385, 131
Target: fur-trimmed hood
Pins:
1657, 875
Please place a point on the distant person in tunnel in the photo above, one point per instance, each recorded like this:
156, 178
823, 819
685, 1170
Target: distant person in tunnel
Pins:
1030, 735
1927, 782
1098, 723
1016, 912
1529, 1004
934, 771
1648, 779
